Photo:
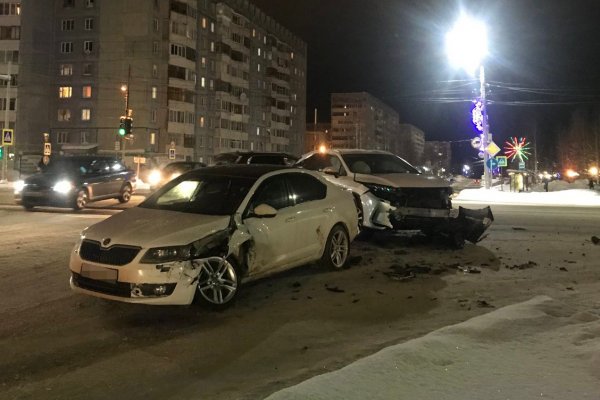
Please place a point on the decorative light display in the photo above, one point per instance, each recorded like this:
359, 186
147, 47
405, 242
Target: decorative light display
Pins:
514, 148
477, 115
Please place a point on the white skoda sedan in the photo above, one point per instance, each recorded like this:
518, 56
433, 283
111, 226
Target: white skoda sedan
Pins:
201, 235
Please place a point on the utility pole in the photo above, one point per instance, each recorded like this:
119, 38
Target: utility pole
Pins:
487, 137
8, 79
535, 158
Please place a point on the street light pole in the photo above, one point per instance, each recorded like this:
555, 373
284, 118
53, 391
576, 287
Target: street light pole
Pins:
487, 137
8, 78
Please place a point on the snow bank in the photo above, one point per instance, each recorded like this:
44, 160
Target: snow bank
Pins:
537, 349
572, 197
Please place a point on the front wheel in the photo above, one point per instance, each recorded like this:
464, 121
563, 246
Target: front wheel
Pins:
125, 195
80, 200
337, 249
218, 282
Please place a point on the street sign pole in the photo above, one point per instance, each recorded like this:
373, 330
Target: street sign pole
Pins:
6, 123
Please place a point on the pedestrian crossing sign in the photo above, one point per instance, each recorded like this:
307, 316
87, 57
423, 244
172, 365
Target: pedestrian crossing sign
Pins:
8, 137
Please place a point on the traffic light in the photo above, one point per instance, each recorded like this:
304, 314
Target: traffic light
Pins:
125, 126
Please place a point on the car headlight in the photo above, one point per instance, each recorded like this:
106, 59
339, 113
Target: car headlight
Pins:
19, 185
63, 187
155, 177
159, 255
213, 244
379, 188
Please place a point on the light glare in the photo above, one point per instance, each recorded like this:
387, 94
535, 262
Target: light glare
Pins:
466, 43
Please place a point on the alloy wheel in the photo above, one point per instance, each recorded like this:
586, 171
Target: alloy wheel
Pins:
339, 248
217, 281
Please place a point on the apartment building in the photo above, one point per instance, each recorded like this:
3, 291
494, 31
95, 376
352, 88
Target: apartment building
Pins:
437, 156
200, 76
10, 35
359, 120
410, 143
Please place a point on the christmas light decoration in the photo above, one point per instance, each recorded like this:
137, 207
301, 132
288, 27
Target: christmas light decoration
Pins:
477, 115
514, 148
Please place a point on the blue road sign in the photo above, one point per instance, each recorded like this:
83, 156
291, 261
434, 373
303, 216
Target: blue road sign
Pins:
492, 163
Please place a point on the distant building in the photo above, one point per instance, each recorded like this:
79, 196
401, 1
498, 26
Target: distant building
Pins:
10, 35
359, 120
316, 136
203, 76
411, 143
438, 156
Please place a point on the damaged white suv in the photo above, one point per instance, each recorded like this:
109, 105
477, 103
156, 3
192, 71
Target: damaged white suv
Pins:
392, 194
203, 233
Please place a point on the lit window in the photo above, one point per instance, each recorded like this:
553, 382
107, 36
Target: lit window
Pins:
86, 114
65, 92
154, 92
204, 23
203, 82
212, 46
258, 130
258, 67
152, 138
212, 27
292, 55
258, 51
201, 122
203, 62
86, 92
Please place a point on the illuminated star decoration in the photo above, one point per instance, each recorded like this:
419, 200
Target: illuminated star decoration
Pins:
514, 148
477, 115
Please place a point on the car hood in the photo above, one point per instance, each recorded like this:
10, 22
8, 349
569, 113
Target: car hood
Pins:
405, 180
146, 227
47, 179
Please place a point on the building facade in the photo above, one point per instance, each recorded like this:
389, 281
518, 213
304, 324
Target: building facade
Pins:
10, 35
410, 144
200, 76
359, 120
438, 156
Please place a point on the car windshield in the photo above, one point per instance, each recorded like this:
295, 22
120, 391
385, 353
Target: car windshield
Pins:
67, 165
378, 164
209, 194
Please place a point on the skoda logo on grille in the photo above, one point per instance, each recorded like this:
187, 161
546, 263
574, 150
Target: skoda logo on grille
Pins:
105, 242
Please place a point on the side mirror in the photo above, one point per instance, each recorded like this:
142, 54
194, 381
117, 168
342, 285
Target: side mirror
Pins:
331, 171
265, 211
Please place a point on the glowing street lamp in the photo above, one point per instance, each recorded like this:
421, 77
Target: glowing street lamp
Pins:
467, 47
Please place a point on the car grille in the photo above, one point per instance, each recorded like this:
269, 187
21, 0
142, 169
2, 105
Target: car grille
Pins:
120, 289
115, 255
436, 198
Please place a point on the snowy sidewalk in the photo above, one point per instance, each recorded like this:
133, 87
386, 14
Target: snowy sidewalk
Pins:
541, 348
568, 197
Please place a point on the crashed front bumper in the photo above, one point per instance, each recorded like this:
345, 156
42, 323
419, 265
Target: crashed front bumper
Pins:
135, 282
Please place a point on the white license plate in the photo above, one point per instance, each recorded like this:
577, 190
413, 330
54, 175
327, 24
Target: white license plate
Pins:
99, 273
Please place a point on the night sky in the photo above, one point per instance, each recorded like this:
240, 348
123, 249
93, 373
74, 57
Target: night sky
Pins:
541, 52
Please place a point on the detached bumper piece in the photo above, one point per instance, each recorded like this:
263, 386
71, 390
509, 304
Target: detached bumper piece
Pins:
457, 225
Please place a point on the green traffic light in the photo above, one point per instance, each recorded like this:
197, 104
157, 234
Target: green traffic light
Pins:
122, 131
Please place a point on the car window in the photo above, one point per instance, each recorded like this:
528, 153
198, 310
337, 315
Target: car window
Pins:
99, 166
266, 159
318, 162
378, 164
273, 192
304, 188
211, 195
116, 166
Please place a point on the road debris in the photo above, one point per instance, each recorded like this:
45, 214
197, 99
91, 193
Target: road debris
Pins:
484, 304
334, 289
468, 269
595, 240
527, 265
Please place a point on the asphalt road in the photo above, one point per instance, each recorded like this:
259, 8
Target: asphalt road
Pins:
282, 330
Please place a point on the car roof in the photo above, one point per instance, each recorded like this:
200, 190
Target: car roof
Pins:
358, 151
254, 171
257, 153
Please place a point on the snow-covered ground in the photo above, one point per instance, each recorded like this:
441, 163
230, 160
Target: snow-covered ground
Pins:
560, 193
541, 348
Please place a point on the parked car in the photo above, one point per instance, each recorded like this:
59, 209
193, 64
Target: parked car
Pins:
159, 176
392, 194
76, 181
251, 157
204, 233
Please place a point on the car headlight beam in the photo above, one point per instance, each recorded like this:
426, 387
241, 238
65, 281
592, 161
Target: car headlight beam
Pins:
63, 187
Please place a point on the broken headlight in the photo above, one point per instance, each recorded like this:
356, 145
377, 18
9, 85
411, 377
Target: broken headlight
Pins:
383, 192
205, 247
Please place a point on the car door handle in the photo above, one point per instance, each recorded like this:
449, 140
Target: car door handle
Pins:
290, 219
328, 210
